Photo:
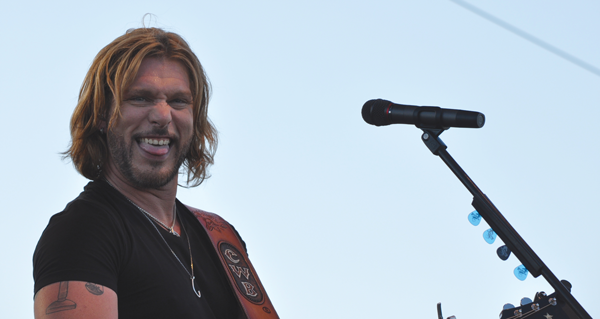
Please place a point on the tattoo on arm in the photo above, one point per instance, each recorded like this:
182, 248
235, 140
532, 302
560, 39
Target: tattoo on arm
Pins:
94, 289
62, 303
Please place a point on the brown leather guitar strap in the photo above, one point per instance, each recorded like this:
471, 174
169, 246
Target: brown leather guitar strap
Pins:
243, 278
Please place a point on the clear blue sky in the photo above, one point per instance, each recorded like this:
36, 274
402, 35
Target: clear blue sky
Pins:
342, 219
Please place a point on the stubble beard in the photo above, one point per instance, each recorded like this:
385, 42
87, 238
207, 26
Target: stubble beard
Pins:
122, 155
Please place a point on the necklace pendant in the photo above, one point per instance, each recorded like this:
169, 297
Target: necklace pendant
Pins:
198, 294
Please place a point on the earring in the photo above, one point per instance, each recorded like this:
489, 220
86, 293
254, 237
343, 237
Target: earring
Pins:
101, 130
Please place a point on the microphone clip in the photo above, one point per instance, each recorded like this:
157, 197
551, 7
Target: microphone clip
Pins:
437, 115
431, 138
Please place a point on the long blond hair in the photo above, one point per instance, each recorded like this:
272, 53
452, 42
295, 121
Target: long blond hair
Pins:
112, 72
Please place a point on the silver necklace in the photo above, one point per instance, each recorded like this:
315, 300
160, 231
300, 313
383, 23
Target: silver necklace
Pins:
148, 215
170, 229
192, 277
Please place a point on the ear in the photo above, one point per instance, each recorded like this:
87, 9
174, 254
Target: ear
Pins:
102, 126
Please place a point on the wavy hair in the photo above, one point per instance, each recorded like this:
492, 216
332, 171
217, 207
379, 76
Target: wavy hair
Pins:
112, 72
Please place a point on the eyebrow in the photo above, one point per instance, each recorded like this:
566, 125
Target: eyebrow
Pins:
149, 92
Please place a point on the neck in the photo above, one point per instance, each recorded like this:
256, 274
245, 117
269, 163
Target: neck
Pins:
158, 202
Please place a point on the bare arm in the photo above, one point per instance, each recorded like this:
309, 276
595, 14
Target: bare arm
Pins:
75, 299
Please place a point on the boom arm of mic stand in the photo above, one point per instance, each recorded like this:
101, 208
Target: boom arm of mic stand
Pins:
500, 225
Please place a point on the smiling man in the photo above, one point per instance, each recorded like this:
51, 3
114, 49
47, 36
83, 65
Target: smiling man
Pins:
126, 247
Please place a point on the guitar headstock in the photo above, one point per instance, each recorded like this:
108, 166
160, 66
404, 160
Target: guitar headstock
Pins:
541, 307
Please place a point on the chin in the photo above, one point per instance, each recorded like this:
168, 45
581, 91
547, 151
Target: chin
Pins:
151, 179
141, 172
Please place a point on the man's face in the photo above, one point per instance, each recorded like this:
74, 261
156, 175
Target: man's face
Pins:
150, 140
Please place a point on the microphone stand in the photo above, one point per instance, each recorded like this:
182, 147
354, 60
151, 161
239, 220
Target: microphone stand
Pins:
502, 227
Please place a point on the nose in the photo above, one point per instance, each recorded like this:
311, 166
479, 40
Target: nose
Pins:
160, 115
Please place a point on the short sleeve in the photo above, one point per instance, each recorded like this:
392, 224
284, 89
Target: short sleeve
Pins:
83, 243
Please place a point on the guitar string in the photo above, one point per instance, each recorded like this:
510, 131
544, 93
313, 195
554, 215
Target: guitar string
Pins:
529, 313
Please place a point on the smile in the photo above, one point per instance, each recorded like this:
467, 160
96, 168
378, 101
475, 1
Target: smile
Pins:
158, 146
155, 141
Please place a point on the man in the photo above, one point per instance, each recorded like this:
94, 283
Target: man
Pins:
126, 247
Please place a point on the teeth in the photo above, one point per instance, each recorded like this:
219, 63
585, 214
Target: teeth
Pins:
155, 141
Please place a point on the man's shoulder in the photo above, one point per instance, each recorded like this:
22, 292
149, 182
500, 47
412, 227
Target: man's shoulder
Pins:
92, 205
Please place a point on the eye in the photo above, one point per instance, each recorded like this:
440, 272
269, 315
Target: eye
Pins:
179, 103
139, 100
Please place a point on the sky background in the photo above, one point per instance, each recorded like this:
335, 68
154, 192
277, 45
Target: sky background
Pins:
342, 219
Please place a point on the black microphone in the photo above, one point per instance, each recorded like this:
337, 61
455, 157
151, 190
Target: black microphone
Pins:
381, 112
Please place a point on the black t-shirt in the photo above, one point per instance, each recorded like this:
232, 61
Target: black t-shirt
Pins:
102, 238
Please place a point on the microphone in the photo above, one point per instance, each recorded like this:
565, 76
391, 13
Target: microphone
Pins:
381, 112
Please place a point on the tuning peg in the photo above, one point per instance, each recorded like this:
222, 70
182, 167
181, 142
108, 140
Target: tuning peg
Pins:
507, 306
503, 252
518, 313
474, 218
540, 295
567, 284
535, 306
525, 301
